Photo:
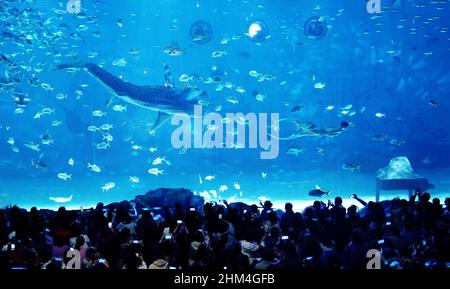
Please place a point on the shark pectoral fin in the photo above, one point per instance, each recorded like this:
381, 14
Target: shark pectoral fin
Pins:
160, 120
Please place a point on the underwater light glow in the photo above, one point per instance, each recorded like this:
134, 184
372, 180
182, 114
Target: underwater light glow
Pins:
254, 29
258, 31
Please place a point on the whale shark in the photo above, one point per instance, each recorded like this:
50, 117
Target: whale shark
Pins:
165, 99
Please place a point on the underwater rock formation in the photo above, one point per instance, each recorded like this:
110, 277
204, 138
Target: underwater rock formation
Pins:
398, 168
162, 197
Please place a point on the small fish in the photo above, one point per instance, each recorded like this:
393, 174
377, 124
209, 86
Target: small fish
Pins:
32, 146
71, 162
433, 103
330, 107
223, 188
155, 171
380, 115
11, 141
240, 89
253, 73
347, 107
98, 113
200, 179
350, 167
121, 62
159, 161
210, 178
134, 179
318, 192
46, 87
379, 137
56, 123
119, 22
186, 78
237, 186
108, 186
94, 168
260, 97
152, 149
137, 147
233, 100
38, 164
61, 96
263, 175
397, 142
93, 128
64, 176
320, 85
106, 126
108, 137
218, 53
103, 145
61, 199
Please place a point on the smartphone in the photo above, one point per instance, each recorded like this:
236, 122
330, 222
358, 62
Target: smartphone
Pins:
388, 223
172, 268
166, 231
13, 247
380, 242
101, 260
220, 216
309, 258
245, 211
192, 209
168, 237
136, 241
424, 242
110, 225
58, 259
179, 222
225, 268
284, 237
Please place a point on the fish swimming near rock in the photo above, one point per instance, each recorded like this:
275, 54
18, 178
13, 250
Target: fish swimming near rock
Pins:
61, 199
318, 192
165, 99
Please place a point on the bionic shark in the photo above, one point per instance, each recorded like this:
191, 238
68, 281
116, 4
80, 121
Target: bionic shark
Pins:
165, 99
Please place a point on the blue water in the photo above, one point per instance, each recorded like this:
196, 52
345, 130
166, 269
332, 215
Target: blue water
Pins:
394, 64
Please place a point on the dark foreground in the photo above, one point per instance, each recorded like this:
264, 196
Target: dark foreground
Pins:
184, 233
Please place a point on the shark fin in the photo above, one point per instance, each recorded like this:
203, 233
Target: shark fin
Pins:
160, 120
317, 187
168, 76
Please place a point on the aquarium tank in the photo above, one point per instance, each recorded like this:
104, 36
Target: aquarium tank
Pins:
309, 66
231, 102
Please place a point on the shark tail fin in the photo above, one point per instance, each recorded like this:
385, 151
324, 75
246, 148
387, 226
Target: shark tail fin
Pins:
328, 193
79, 64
